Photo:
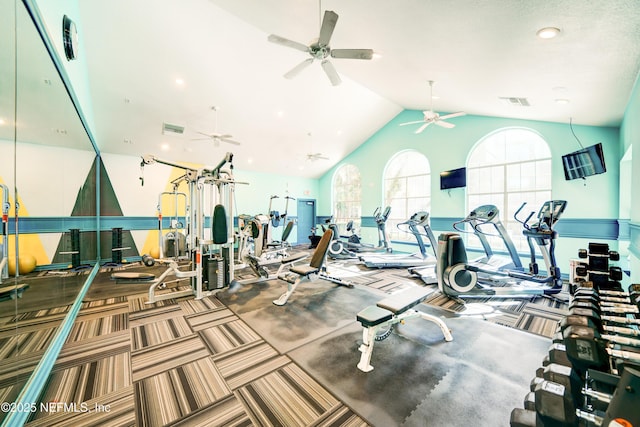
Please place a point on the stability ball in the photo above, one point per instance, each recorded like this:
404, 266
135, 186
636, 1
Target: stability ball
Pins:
155, 252
27, 264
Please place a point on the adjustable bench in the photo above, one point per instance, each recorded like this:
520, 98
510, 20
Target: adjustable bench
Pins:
315, 268
386, 313
13, 292
131, 277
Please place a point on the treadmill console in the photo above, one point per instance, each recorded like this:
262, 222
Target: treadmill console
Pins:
484, 213
419, 218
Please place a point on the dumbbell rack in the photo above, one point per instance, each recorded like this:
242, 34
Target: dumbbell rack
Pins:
591, 375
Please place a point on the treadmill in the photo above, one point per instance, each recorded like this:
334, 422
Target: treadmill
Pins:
490, 215
418, 225
477, 218
458, 277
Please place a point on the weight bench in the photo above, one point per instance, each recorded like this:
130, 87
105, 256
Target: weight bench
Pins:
315, 269
386, 313
130, 277
13, 292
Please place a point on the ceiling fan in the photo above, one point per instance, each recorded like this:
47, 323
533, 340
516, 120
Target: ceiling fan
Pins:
319, 49
431, 116
312, 157
217, 137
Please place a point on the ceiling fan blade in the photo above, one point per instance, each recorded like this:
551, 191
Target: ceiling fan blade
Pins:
423, 127
205, 134
444, 124
328, 24
296, 70
289, 43
331, 72
452, 115
229, 141
352, 53
200, 139
412, 123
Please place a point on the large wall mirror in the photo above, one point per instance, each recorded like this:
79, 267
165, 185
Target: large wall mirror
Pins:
46, 166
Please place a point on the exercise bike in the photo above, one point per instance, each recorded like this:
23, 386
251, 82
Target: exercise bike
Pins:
458, 277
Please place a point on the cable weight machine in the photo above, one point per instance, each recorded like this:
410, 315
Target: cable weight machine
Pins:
209, 250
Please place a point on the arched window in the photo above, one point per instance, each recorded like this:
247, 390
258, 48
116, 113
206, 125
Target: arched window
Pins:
506, 168
407, 189
347, 195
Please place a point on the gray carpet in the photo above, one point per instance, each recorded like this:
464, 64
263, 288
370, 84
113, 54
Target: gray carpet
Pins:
419, 379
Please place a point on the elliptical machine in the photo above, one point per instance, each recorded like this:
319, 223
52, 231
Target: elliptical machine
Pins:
347, 248
457, 277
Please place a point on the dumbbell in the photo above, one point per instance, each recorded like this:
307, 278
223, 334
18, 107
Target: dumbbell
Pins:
613, 273
600, 250
595, 322
588, 349
605, 308
148, 260
552, 404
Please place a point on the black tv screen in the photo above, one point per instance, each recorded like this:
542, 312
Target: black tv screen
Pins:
582, 163
454, 178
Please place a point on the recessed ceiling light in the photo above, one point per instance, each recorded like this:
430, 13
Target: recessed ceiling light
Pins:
376, 55
548, 32
249, 160
164, 147
179, 81
562, 101
280, 113
2, 121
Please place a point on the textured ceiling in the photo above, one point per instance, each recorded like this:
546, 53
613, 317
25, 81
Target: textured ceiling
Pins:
475, 50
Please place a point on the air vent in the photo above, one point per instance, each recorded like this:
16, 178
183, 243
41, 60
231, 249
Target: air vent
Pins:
514, 102
168, 128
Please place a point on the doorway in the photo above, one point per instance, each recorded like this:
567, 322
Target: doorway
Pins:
306, 219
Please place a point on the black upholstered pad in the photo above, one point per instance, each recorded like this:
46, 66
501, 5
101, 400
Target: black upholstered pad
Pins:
373, 315
133, 276
304, 270
404, 300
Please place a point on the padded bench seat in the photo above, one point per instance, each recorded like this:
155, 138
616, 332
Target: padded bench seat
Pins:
372, 316
404, 300
132, 277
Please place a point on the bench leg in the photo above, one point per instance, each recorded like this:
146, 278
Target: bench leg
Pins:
438, 321
366, 348
285, 297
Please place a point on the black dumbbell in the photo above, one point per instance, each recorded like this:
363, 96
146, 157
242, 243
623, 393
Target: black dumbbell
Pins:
588, 349
148, 260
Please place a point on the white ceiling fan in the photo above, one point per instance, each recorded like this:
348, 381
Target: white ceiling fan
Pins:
431, 116
217, 137
312, 157
319, 49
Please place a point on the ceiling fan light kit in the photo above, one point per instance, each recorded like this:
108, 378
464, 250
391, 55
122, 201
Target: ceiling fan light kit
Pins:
320, 50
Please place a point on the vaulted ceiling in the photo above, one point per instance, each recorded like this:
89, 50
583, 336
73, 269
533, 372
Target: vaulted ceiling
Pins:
476, 51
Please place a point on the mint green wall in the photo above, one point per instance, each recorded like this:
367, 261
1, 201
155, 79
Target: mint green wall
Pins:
630, 137
449, 149
254, 198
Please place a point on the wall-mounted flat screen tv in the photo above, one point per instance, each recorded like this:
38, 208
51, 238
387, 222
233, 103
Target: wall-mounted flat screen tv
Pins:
454, 178
585, 162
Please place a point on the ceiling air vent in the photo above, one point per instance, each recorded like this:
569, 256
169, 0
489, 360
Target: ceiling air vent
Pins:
514, 102
168, 128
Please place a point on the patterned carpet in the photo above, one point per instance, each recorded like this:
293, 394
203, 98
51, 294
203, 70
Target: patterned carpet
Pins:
192, 363
179, 362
